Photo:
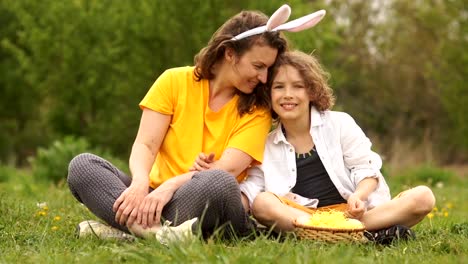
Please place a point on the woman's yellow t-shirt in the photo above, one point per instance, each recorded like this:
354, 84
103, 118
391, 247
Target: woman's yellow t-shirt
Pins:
195, 128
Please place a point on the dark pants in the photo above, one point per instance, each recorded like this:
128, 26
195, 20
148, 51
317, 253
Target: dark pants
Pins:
213, 196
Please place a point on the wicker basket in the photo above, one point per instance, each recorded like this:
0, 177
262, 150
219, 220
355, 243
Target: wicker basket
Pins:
332, 235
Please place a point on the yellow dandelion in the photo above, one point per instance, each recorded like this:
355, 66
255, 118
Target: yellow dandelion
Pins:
41, 213
445, 214
430, 215
57, 218
449, 205
54, 228
435, 209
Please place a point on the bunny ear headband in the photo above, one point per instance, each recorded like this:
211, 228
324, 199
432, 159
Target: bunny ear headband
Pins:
275, 23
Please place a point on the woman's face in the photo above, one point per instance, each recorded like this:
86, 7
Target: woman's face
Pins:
252, 67
289, 94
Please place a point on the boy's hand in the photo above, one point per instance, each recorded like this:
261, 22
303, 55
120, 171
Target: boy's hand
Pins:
356, 207
202, 162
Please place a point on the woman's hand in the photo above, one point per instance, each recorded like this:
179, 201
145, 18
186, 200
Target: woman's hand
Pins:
202, 162
356, 207
149, 212
126, 206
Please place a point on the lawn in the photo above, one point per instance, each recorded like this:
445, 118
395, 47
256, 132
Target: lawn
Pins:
38, 219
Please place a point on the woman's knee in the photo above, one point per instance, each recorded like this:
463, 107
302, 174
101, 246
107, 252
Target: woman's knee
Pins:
218, 181
78, 168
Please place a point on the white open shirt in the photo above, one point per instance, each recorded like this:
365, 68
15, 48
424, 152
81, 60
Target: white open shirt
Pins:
344, 150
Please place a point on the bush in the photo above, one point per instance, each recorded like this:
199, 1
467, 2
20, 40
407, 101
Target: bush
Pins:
52, 163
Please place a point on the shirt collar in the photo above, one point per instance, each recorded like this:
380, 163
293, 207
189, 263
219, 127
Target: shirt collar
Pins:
315, 120
278, 135
315, 117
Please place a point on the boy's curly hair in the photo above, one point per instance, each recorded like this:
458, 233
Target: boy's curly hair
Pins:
314, 76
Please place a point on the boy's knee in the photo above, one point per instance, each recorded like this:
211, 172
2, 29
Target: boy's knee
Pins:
261, 204
424, 200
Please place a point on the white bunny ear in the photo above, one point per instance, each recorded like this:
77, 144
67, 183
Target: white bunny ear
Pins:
302, 23
250, 32
279, 17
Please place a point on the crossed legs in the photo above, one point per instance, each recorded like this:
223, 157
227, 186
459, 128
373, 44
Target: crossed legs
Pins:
269, 210
213, 196
408, 209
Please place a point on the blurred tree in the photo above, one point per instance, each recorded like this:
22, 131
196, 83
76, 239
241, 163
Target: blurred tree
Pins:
20, 99
451, 75
80, 67
393, 58
93, 61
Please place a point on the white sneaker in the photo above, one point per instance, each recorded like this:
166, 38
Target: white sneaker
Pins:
170, 234
94, 228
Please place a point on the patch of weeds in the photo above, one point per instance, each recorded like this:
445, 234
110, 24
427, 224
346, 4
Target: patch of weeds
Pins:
447, 247
428, 175
6, 173
459, 229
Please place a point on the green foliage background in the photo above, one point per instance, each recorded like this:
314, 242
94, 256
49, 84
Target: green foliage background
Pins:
80, 67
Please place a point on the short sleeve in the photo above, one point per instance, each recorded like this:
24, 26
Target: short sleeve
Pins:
251, 134
160, 97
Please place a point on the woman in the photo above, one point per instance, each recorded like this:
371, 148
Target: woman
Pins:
215, 106
317, 158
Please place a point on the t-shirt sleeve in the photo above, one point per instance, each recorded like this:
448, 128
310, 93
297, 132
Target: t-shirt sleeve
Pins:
160, 97
251, 135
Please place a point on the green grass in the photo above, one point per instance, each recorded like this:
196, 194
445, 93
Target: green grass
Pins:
31, 234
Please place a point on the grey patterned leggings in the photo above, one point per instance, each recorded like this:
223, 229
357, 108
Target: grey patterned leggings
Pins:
213, 196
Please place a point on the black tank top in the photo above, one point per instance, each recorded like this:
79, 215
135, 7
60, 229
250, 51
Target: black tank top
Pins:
313, 180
